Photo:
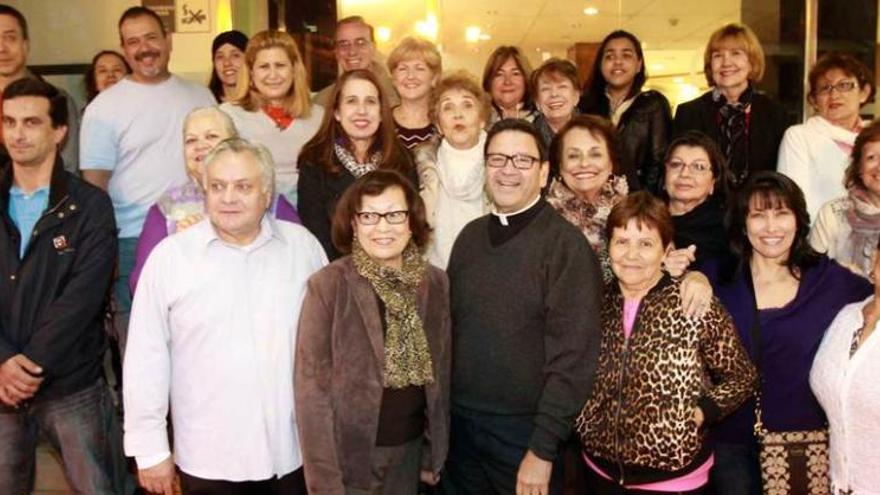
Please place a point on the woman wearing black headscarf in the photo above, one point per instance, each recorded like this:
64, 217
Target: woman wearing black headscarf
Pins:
227, 52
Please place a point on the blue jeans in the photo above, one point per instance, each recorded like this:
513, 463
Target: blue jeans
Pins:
81, 426
121, 292
737, 471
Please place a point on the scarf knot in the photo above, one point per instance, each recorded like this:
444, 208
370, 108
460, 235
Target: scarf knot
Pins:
348, 160
279, 115
733, 120
864, 221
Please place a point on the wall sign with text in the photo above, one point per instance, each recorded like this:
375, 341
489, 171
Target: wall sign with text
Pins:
182, 16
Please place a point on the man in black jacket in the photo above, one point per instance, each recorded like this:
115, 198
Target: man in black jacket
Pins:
57, 253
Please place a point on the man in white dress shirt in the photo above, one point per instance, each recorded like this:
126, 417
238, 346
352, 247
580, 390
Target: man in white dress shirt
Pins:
213, 329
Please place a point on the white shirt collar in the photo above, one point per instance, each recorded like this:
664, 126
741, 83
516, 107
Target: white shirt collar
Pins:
268, 231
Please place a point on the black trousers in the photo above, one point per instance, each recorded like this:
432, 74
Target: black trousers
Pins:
485, 452
290, 484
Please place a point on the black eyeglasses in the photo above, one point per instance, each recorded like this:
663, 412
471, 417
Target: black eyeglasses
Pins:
520, 162
372, 218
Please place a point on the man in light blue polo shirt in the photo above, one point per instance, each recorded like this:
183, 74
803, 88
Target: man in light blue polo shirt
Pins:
132, 137
25, 209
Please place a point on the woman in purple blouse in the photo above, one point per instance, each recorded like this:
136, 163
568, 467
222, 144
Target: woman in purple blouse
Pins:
794, 293
182, 206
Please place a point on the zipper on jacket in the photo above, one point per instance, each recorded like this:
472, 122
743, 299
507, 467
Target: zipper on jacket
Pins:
618, 441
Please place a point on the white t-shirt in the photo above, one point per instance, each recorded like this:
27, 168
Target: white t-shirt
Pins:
135, 130
284, 144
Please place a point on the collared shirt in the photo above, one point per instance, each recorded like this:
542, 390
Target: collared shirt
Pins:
25, 209
213, 325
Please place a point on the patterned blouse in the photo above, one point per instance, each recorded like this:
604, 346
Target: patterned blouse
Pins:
590, 218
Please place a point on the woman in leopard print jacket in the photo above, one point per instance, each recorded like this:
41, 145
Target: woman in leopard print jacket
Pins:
662, 376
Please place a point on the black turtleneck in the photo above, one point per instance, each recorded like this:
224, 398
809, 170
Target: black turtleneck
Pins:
703, 227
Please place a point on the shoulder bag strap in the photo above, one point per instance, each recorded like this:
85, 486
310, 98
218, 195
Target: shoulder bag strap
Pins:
758, 349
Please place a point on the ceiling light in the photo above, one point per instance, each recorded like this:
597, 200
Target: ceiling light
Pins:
429, 27
591, 11
472, 34
678, 80
485, 37
383, 34
657, 66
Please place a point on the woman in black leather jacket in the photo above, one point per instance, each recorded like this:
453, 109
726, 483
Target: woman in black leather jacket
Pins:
642, 118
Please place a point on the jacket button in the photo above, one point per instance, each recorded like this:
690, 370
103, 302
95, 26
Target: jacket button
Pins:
61, 214
35, 233
12, 277
72, 207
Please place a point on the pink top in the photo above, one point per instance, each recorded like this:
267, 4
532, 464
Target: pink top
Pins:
630, 308
690, 481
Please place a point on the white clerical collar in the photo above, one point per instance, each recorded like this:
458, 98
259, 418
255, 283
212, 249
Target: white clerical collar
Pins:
502, 217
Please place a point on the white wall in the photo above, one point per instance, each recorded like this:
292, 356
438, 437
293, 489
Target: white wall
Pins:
72, 31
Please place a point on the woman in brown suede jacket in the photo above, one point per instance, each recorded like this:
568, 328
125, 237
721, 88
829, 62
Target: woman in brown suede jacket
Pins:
373, 349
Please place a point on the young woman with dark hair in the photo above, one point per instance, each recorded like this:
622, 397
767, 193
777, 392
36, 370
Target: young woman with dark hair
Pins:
227, 55
642, 118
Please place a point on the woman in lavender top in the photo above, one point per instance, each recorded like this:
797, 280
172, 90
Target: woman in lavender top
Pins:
182, 206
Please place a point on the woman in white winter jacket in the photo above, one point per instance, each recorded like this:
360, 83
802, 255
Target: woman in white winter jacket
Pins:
814, 154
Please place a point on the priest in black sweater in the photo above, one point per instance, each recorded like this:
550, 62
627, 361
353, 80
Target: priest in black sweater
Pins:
525, 291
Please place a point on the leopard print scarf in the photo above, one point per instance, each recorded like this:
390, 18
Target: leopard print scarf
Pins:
407, 357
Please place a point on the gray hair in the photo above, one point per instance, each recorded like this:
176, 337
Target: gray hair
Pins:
215, 112
239, 145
